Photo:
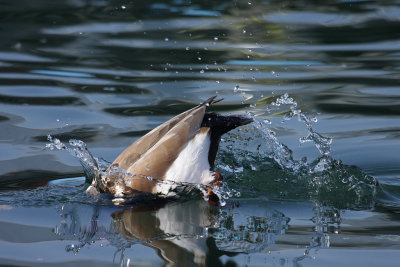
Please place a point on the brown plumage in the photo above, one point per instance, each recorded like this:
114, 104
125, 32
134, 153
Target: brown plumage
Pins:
154, 153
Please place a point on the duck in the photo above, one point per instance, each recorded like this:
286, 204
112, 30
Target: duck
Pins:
182, 150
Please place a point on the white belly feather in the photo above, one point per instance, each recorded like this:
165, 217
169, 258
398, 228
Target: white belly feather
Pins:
191, 166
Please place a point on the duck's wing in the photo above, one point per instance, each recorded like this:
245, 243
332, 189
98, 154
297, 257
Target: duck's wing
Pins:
154, 153
135, 151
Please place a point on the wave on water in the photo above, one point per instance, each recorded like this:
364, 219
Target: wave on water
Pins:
255, 163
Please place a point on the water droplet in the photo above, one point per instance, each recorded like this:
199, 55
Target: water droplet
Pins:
304, 139
252, 106
215, 38
236, 89
199, 58
217, 81
18, 46
202, 71
271, 132
249, 3
123, 7
187, 48
166, 39
244, 31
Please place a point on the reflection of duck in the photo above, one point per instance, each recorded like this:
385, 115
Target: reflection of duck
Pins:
194, 231
173, 230
181, 150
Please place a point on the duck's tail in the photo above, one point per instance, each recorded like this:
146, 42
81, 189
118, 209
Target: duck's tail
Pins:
211, 101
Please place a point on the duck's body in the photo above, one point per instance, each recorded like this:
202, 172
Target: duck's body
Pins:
181, 150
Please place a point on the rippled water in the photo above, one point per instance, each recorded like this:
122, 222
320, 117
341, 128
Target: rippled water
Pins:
107, 72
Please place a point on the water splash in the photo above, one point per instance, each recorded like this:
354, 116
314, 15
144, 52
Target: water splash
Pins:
269, 170
280, 152
78, 149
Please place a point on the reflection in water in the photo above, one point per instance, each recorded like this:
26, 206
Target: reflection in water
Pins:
176, 230
326, 221
196, 233
191, 231
248, 229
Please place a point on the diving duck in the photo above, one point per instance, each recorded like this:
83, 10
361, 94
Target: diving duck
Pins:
181, 150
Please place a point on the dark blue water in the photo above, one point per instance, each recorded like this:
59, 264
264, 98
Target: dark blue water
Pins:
107, 72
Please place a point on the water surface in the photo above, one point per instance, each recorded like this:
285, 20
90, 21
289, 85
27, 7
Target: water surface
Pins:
107, 72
